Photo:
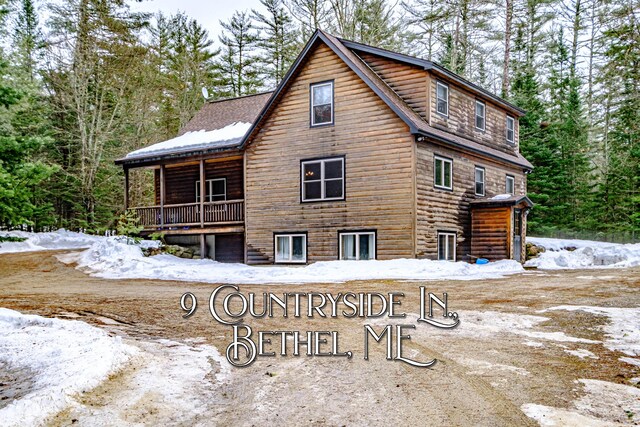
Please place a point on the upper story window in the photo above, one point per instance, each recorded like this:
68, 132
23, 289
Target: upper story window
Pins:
443, 173
510, 186
479, 181
215, 190
442, 98
322, 103
511, 130
480, 115
323, 179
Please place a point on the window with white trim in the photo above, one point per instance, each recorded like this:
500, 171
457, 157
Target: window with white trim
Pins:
215, 190
323, 179
510, 185
480, 115
442, 98
446, 246
479, 181
322, 104
511, 130
443, 173
358, 245
291, 248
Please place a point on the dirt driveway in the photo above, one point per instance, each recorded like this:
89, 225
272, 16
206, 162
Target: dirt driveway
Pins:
485, 372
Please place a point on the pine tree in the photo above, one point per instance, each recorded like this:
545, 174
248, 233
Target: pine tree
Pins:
238, 64
278, 40
310, 14
28, 39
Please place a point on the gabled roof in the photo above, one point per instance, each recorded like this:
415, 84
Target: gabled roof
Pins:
502, 200
218, 126
435, 67
417, 125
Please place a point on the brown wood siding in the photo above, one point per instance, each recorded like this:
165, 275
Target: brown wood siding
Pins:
443, 210
491, 228
462, 113
408, 81
377, 147
181, 180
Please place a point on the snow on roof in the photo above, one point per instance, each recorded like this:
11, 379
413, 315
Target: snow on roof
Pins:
227, 136
501, 197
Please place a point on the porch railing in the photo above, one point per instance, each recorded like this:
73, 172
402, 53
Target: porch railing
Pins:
189, 215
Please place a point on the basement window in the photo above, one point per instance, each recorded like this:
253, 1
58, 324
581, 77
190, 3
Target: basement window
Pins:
291, 248
446, 246
358, 245
322, 104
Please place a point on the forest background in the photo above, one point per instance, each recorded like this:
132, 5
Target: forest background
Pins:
83, 82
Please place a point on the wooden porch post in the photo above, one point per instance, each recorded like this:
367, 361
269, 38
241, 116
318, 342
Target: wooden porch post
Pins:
202, 193
162, 194
126, 188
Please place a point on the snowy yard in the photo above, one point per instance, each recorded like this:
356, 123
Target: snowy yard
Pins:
553, 347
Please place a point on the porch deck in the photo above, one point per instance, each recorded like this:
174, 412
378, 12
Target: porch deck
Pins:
230, 212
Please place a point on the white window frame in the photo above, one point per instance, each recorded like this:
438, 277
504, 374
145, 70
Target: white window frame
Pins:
484, 116
446, 87
290, 237
322, 179
357, 234
475, 180
209, 186
512, 121
447, 234
513, 185
313, 86
437, 158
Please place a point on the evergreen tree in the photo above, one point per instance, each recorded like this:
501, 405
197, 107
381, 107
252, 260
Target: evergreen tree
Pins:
238, 64
28, 39
278, 40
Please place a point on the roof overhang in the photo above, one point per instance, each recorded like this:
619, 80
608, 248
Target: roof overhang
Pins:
502, 202
142, 161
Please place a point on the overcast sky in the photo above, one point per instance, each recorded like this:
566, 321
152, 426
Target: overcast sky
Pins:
207, 13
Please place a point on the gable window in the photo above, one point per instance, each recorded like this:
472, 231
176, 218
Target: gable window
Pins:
511, 130
322, 104
215, 190
357, 245
480, 115
443, 173
446, 246
442, 98
291, 248
510, 187
479, 181
323, 179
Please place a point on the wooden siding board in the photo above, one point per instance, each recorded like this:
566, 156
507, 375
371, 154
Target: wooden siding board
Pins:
378, 162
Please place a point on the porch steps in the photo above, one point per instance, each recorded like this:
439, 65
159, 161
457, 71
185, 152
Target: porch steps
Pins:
255, 257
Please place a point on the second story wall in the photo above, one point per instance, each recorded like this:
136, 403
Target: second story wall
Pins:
460, 118
379, 167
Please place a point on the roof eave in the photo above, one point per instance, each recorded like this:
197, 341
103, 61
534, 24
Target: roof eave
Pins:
157, 158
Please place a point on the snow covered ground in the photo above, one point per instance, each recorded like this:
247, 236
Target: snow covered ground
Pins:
112, 259
61, 239
584, 254
54, 362
60, 358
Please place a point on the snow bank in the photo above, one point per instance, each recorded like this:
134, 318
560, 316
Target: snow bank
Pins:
218, 138
59, 358
623, 330
112, 259
61, 239
587, 254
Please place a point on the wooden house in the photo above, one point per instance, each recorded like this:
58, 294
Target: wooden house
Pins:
359, 153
